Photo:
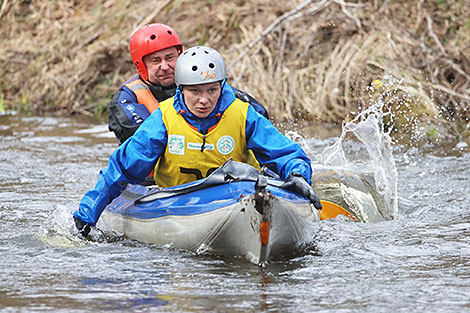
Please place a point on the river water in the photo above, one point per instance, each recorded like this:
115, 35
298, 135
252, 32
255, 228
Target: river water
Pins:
416, 261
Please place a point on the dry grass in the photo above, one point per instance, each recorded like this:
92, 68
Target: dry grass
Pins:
322, 61
314, 60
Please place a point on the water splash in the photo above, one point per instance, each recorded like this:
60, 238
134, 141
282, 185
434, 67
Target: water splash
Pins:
60, 230
358, 170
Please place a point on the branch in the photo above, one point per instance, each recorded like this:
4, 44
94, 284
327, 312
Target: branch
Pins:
349, 14
276, 22
310, 11
448, 91
155, 12
3, 9
433, 35
457, 68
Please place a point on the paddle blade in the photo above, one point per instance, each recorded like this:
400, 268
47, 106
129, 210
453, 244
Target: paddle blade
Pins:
331, 210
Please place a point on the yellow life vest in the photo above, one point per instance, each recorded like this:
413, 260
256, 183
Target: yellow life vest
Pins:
190, 155
143, 94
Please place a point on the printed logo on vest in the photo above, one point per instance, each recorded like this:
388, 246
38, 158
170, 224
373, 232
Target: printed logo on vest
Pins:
225, 144
197, 146
176, 144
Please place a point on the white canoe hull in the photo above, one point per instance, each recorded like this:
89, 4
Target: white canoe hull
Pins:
259, 226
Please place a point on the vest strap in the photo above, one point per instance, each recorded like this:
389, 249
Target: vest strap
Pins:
143, 94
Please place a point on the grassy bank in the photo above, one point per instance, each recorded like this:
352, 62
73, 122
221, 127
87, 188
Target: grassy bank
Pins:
314, 60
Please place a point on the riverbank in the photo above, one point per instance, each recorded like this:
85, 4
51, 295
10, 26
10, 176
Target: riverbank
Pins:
317, 60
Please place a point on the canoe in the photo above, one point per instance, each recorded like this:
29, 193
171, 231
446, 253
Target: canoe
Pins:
235, 211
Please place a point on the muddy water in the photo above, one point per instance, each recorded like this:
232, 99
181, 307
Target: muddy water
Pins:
417, 262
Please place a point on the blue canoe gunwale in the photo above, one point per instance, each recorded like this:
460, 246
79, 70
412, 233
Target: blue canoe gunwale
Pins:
197, 202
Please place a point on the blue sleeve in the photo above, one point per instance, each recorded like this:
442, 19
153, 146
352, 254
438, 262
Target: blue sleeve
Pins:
273, 149
125, 114
252, 101
132, 162
136, 112
258, 107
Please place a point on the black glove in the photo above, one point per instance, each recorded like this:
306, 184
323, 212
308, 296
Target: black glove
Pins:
83, 228
297, 183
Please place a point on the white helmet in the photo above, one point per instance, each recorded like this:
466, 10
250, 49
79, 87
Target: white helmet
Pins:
199, 65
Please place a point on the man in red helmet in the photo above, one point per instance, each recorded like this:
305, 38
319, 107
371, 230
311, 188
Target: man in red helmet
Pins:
154, 50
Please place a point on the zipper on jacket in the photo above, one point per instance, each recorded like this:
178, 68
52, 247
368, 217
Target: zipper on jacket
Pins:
204, 133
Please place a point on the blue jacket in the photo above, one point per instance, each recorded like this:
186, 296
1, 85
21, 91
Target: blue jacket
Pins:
134, 160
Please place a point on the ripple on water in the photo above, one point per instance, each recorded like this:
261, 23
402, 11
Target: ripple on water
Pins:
418, 262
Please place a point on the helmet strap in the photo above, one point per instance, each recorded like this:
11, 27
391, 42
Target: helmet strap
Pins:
222, 83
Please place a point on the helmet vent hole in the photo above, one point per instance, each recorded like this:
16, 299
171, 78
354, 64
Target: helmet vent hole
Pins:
169, 32
194, 68
206, 52
193, 54
153, 37
211, 65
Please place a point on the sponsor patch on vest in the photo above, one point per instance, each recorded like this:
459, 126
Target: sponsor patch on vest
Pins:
197, 146
225, 144
176, 144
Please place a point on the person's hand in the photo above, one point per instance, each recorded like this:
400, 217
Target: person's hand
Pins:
83, 228
297, 183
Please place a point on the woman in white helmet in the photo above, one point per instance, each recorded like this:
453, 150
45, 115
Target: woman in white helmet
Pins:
194, 133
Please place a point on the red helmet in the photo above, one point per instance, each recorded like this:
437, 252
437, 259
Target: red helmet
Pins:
151, 38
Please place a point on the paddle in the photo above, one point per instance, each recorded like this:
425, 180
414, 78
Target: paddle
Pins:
331, 210
232, 171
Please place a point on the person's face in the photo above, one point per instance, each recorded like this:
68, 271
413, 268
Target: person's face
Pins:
161, 66
201, 99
